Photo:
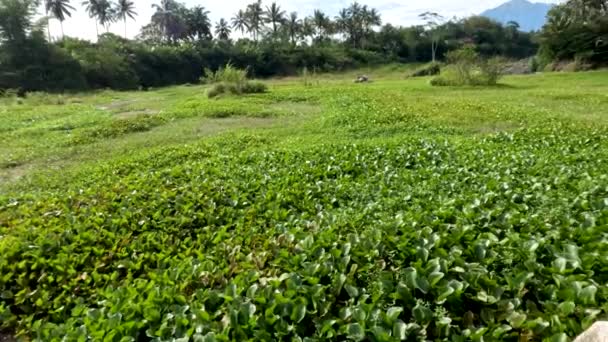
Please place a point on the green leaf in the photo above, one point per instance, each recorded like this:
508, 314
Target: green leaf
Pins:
355, 332
560, 337
566, 308
393, 313
299, 312
587, 295
422, 314
435, 277
516, 319
353, 292
400, 330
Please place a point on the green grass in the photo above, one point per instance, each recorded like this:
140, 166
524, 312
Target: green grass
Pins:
379, 211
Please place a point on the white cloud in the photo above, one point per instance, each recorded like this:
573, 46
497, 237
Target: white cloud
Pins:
393, 11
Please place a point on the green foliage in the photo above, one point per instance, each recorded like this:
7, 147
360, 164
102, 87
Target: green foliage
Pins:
430, 69
231, 80
468, 68
394, 211
308, 78
228, 74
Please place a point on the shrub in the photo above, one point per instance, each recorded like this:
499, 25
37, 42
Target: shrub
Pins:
467, 68
231, 80
308, 78
430, 69
254, 87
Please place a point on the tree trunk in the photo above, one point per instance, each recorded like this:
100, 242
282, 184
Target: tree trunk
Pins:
97, 29
48, 26
125, 28
433, 50
62, 34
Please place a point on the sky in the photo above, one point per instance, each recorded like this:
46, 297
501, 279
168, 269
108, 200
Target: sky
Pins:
396, 12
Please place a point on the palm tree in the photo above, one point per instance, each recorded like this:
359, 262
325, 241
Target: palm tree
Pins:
255, 18
59, 9
222, 30
275, 16
240, 22
293, 26
105, 13
198, 23
307, 29
92, 7
322, 24
125, 9
166, 18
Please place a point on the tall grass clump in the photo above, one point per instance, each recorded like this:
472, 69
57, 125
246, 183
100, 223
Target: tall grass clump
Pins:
309, 78
467, 68
231, 80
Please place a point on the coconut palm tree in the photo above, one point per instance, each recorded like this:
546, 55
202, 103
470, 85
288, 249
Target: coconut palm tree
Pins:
59, 9
102, 11
322, 24
222, 30
275, 16
106, 14
167, 18
125, 9
240, 22
293, 26
255, 18
92, 7
198, 23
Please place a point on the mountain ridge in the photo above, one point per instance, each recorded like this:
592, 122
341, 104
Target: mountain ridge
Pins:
531, 16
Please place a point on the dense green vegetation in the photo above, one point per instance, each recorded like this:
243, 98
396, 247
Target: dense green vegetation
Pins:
180, 42
319, 211
577, 30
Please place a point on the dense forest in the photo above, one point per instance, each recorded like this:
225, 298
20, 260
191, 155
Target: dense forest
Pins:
180, 42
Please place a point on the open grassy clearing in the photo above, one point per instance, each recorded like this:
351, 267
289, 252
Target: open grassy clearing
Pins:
382, 211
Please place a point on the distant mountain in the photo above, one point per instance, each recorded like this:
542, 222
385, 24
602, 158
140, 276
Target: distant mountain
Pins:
530, 16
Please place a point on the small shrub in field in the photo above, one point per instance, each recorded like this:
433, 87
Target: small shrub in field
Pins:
254, 87
430, 69
216, 90
230, 80
467, 68
308, 78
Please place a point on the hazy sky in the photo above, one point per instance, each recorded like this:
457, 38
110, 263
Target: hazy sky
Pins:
396, 12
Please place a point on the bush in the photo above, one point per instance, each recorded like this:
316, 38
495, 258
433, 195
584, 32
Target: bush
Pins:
430, 69
254, 87
230, 80
467, 68
308, 78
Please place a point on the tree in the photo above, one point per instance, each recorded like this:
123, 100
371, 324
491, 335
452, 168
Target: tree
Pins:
576, 29
307, 30
240, 22
275, 16
322, 25
125, 9
59, 9
255, 18
222, 30
198, 23
92, 8
16, 20
105, 13
433, 29
167, 18
293, 26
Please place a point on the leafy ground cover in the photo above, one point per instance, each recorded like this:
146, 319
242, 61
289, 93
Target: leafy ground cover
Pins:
382, 212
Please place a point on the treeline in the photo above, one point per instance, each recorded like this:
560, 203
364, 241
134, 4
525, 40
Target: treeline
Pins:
576, 30
180, 41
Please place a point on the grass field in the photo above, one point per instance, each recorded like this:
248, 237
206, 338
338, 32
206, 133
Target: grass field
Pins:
383, 212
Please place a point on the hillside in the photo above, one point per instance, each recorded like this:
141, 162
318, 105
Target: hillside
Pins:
530, 16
